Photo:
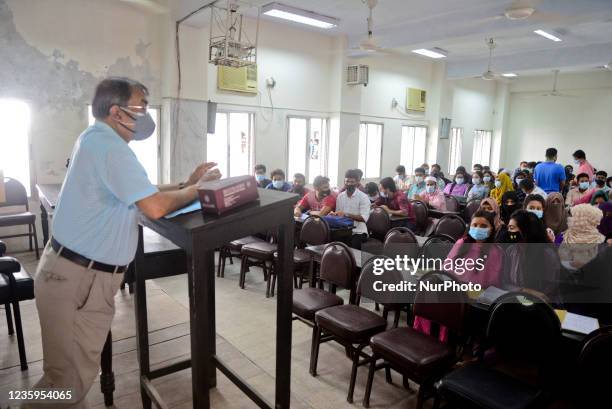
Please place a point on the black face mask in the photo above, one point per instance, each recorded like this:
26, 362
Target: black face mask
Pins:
600, 182
324, 193
350, 189
511, 237
510, 208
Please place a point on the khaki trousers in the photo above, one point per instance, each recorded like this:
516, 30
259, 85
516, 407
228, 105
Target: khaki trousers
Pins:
76, 306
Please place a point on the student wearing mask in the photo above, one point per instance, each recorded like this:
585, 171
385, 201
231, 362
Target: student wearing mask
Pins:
354, 204
459, 187
600, 182
425, 167
418, 186
523, 166
502, 185
371, 189
260, 176
583, 164
488, 178
299, 185
478, 190
395, 202
278, 181
401, 179
529, 188
490, 205
516, 184
436, 171
605, 226
432, 195
510, 203
320, 199
581, 191
536, 204
549, 175
462, 169
359, 173
532, 262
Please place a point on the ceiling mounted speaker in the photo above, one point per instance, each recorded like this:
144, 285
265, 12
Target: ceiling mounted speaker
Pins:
518, 13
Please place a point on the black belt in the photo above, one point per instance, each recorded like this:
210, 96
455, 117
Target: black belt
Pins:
84, 261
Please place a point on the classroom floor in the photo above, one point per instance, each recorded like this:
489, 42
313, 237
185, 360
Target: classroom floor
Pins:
245, 339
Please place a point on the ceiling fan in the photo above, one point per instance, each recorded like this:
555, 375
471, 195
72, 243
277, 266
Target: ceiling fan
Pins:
489, 74
552, 93
369, 44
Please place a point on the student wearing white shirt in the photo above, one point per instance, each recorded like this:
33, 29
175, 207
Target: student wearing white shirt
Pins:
401, 179
354, 204
529, 188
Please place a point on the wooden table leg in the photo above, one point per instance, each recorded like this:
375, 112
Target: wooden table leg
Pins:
107, 377
44, 221
203, 335
283, 316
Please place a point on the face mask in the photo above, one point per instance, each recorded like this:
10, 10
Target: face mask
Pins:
459, 181
600, 182
486, 179
278, 184
426, 171
260, 178
524, 169
479, 233
498, 183
512, 237
584, 185
476, 181
430, 189
518, 181
324, 193
373, 198
419, 179
577, 161
144, 126
351, 189
401, 177
528, 170
383, 195
539, 213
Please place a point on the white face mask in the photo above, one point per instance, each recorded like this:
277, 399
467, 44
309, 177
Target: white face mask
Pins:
419, 179
476, 181
459, 181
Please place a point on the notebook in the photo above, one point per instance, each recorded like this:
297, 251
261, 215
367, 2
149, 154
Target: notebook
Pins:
577, 323
490, 295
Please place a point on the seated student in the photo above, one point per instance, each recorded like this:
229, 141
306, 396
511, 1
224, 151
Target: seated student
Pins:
476, 168
395, 202
599, 197
580, 191
488, 178
580, 243
600, 182
605, 226
516, 184
359, 185
371, 189
432, 195
354, 204
436, 171
529, 188
478, 190
521, 169
459, 187
401, 179
467, 176
278, 181
418, 186
299, 185
260, 176
502, 185
509, 204
532, 262
536, 204
320, 199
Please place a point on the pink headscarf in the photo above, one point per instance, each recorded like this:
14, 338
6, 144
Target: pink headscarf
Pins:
493, 203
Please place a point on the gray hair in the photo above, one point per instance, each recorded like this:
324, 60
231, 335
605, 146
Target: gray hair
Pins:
114, 91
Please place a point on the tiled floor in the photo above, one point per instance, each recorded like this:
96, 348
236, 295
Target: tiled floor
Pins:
246, 339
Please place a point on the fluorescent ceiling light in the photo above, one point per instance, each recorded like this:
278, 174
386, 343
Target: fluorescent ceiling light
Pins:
433, 53
510, 75
299, 16
547, 35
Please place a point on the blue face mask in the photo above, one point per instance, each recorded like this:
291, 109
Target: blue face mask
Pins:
479, 233
476, 181
430, 188
486, 179
539, 213
278, 184
498, 184
260, 178
584, 185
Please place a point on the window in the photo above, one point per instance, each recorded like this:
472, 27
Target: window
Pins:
147, 151
412, 154
14, 141
482, 147
231, 146
307, 147
370, 149
454, 159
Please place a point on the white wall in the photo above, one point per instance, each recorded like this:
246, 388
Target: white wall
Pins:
584, 121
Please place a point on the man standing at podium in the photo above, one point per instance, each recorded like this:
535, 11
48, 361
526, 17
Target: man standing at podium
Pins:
95, 235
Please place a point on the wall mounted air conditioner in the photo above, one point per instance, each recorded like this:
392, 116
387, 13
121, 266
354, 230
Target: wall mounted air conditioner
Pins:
416, 99
242, 79
357, 75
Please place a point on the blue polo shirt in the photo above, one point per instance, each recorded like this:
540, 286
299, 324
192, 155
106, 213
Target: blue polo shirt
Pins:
96, 215
549, 175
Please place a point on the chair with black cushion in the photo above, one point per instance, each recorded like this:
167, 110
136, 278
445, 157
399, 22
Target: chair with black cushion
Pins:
451, 225
470, 208
594, 361
420, 357
437, 246
16, 196
452, 204
231, 250
351, 325
261, 254
15, 285
421, 211
525, 333
315, 231
379, 223
338, 270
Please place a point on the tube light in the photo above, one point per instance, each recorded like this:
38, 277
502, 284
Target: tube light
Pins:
299, 16
509, 75
547, 35
433, 53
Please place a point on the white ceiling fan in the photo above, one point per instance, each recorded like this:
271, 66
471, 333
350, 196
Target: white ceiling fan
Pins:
489, 74
554, 92
369, 44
